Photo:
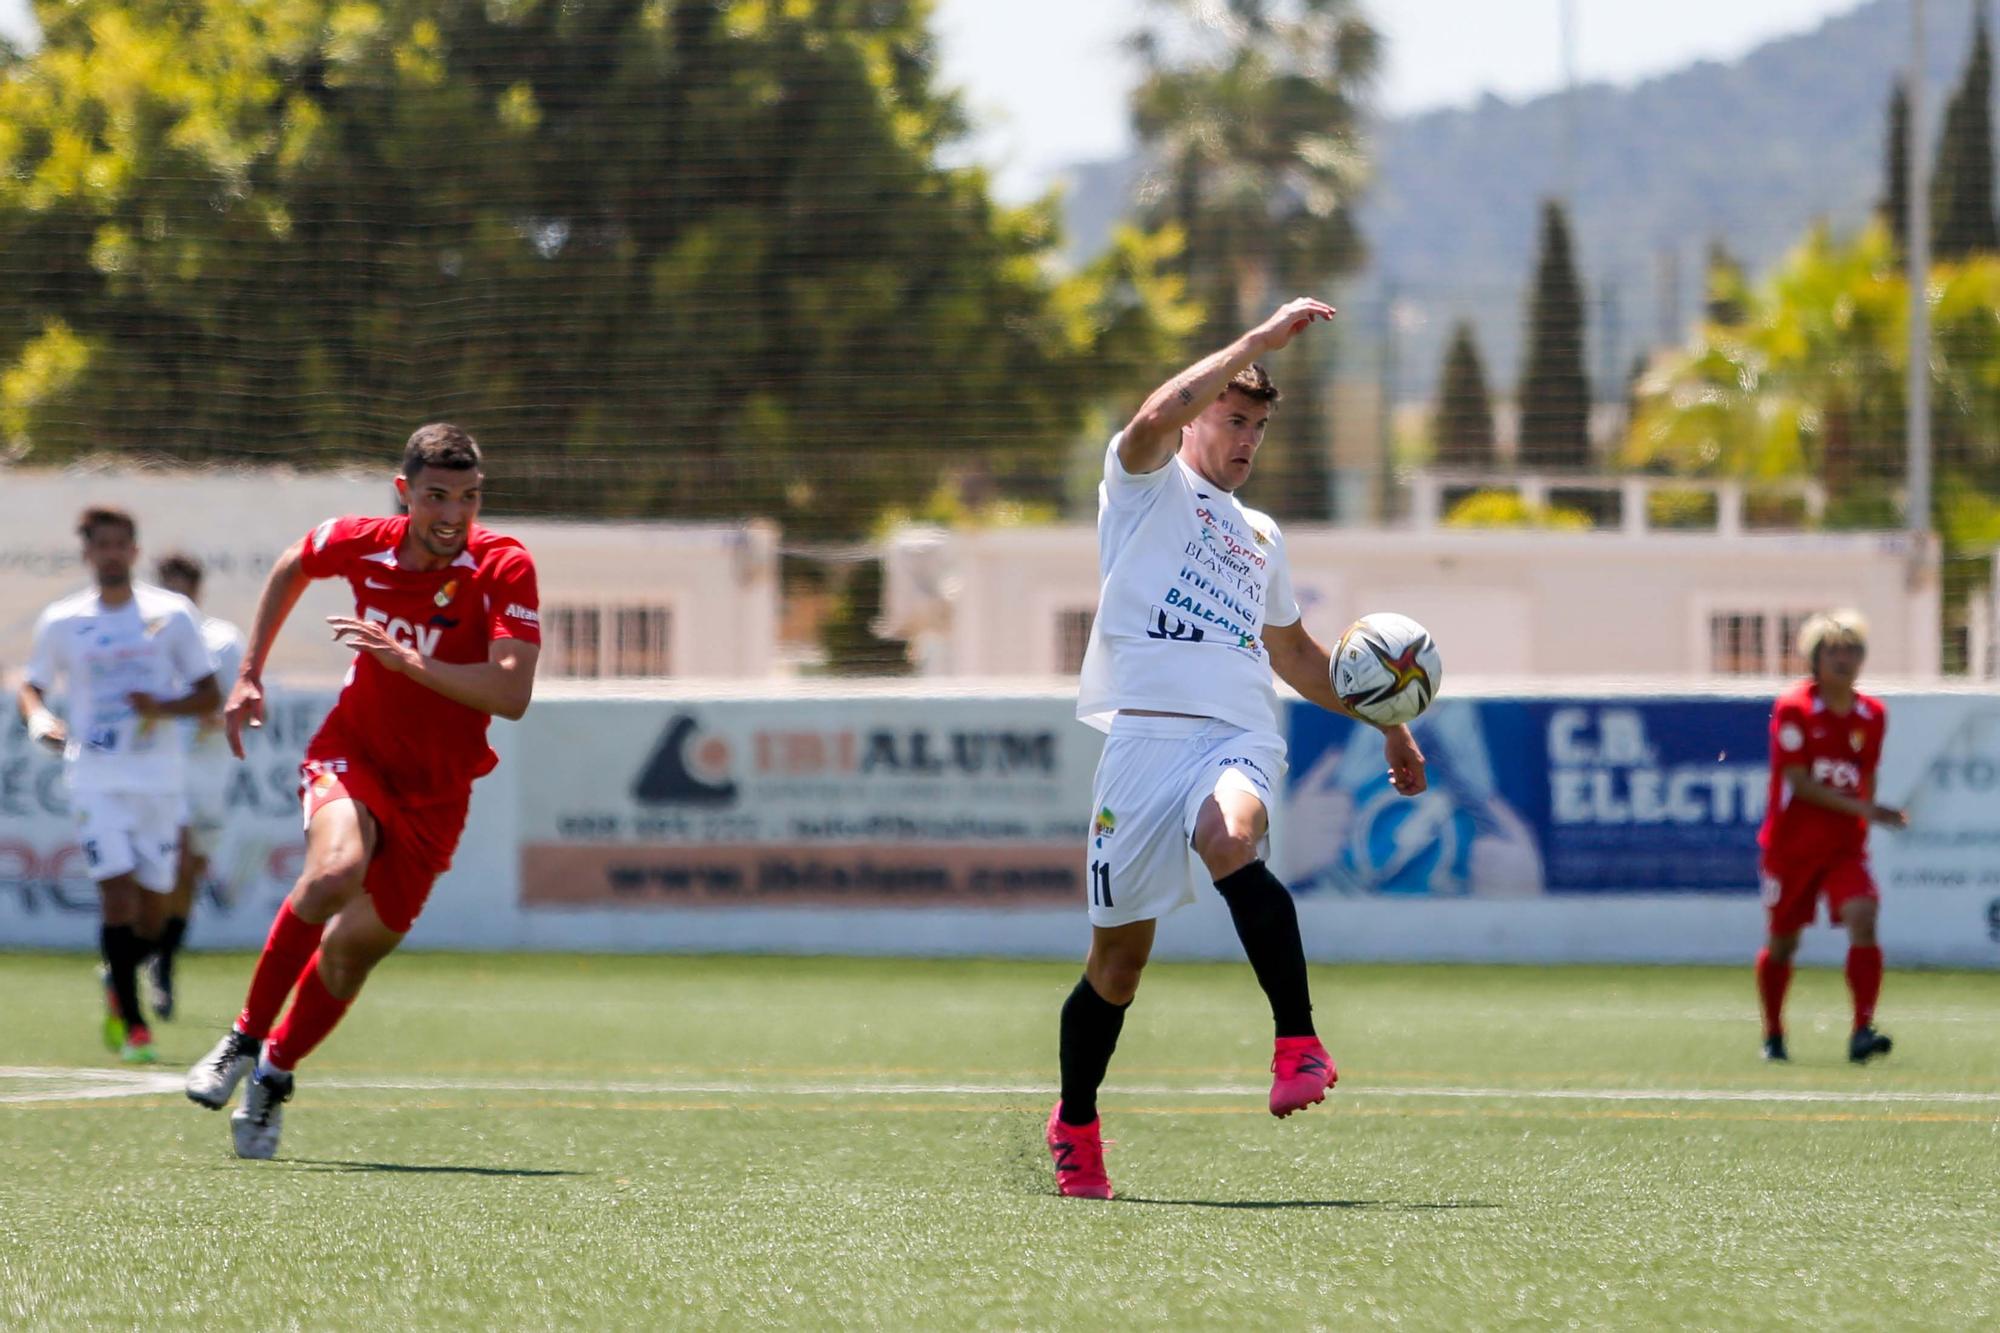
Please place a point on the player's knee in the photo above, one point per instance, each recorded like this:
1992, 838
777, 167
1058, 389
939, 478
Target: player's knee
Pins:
325, 889
1860, 918
1782, 947
1117, 978
1225, 852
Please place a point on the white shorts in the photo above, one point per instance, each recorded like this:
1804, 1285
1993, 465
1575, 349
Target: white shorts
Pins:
130, 833
1154, 775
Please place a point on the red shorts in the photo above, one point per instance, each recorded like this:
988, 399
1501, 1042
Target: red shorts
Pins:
415, 838
1791, 896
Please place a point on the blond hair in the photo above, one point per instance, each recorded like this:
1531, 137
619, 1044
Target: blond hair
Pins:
1824, 627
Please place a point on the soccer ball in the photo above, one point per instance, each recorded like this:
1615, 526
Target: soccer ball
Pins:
1386, 668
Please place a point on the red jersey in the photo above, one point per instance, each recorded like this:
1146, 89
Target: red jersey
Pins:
415, 737
1838, 749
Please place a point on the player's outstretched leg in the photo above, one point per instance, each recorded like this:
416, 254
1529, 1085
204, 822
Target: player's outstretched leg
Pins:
1228, 830
1267, 922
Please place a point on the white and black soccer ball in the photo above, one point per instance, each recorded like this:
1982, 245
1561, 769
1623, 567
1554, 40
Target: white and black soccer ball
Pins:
1386, 668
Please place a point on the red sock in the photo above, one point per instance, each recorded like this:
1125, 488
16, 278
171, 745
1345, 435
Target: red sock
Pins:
1864, 982
1773, 980
314, 1013
287, 949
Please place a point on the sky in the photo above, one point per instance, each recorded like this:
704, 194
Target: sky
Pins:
1046, 80
1044, 100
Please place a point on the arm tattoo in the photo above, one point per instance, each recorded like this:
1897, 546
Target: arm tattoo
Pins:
1187, 394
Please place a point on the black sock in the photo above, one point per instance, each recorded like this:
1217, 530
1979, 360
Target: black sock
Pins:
169, 944
1090, 1027
1268, 924
122, 951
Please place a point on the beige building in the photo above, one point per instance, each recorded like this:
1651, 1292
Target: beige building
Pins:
618, 599
1627, 602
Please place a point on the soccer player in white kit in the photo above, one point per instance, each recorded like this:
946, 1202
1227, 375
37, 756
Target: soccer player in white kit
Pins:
208, 773
120, 648
1195, 615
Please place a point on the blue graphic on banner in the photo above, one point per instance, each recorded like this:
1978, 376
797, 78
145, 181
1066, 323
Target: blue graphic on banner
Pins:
1530, 797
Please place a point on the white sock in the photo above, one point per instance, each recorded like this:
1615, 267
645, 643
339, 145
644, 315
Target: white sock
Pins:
265, 1069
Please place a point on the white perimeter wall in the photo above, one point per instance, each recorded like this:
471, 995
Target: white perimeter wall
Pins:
1542, 604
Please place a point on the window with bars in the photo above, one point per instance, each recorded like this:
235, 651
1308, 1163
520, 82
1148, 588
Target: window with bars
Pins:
1072, 637
593, 642
1756, 643
1736, 643
640, 639
571, 634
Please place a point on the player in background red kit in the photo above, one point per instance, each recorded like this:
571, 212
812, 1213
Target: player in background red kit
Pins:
1826, 741
446, 633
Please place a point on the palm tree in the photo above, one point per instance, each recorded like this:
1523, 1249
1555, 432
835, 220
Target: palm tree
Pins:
1250, 113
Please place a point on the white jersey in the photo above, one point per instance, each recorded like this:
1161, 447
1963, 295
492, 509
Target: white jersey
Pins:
150, 644
1191, 579
208, 746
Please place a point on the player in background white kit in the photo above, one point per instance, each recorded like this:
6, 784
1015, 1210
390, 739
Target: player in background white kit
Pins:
121, 650
209, 766
1194, 616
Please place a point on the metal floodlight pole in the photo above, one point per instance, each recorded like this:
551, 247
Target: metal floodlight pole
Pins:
1917, 506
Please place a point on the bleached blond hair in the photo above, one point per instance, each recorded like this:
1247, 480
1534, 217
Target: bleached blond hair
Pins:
1822, 628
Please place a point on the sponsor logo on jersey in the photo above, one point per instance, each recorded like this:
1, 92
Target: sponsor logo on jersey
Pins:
445, 594
1790, 737
1107, 824
1857, 738
526, 615
1837, 773
423, 638
384, 587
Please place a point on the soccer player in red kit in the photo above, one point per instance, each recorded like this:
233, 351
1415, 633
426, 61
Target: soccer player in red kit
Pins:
1826, 740
446, 633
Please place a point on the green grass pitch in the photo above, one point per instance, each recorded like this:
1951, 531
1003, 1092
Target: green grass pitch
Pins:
527, 1142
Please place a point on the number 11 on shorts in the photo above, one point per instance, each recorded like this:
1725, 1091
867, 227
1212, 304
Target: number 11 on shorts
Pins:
1100, 884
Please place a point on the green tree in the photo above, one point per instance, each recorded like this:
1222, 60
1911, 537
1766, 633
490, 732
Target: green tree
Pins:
1810, 382
1555, 395
1251, 113
1962, 221
669, 257
1462, 422
1894, 206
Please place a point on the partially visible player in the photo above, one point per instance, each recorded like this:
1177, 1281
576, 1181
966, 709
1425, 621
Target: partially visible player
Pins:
131, 660
1826, 741
1194, 617
207, 782
446, 630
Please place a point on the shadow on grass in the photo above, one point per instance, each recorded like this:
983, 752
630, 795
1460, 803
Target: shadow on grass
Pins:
405, 1168
1376, 1205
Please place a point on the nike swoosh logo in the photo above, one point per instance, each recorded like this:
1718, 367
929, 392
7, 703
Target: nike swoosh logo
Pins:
371, 583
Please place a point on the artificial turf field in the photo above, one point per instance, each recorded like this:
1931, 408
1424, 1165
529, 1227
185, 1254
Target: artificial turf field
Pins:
526, 1142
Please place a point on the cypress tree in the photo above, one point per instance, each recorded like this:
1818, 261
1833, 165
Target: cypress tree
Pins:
1894, 207
1462, 423
1962, 221
1555, 395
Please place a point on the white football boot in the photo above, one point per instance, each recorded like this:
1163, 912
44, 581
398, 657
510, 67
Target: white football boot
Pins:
256, 1123
213, 1082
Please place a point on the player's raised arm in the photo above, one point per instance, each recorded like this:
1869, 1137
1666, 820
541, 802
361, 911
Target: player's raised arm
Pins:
1304, 663
1153, 434
282, 590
